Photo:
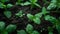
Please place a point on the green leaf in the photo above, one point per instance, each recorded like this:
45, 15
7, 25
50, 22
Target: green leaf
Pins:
30, 16
39, 15
8, 14
35, 32
2, 5
2, 25
9, 5
20, 14
29, 28
36, 4
33, 1
51, 6
10, 28
50, 33
26, 3
51, 19
44, 11
53, 1
37, 20
21, 32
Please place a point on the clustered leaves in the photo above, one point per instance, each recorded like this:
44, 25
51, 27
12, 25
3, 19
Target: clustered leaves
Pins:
30, 2
36, 17
54, 4
20, 14
29, 30
5, 30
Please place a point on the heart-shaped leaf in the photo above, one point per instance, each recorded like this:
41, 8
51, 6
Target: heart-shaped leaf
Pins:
29, 28
9, 5
10, 28
30, 16
8, 14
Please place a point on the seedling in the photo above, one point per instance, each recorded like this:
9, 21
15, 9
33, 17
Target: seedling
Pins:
2, 5
30, 2
44, 11
20, 14
19, 2
34, 3
54, 21
8, 29
54, 4
9, 5
51, 19
25, 3
29, 28
8, 14
36, 17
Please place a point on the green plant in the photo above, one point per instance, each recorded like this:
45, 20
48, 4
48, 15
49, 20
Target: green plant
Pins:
33, 3
19, 2
25, 3
2, 5
20, 14
29, 29
9, 5
8, 29
54, 21
44, 11
8, 14
54, 4
30, 2
36, 17
51, 19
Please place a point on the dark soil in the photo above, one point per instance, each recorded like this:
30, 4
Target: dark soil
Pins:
22, 22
